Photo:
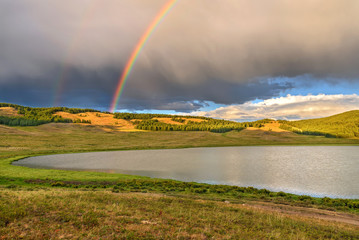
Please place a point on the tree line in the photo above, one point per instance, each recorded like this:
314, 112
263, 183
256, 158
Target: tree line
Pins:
36, 116
19, 121
212, 125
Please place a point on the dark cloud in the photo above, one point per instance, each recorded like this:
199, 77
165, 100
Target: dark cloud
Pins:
95, 88
167, 104
203, 51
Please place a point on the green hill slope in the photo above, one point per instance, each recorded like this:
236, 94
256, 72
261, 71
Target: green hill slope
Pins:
341, 125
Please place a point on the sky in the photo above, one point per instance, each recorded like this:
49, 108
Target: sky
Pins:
240, 60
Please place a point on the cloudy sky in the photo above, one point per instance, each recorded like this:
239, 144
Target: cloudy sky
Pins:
232, 59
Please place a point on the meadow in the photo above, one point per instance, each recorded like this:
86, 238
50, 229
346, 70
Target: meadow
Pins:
80, 214
45, 203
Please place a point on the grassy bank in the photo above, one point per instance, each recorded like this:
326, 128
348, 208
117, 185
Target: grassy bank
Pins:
20, 142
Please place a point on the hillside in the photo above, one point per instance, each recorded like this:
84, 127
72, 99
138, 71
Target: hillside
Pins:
16, 115
92, 205
344, 125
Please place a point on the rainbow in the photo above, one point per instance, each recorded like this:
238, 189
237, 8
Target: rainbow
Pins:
141, 43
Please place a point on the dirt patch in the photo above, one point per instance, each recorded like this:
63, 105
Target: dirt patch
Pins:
295, 211
305, 212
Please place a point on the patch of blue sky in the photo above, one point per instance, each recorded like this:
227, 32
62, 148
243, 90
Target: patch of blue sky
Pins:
309, 85
211, 106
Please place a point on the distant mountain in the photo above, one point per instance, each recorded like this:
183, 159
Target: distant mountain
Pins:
344, 125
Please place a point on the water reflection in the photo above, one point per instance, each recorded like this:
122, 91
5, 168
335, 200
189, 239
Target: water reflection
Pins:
317, 171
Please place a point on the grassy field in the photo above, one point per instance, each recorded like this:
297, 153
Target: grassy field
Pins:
55, 214
40, 203
17, 142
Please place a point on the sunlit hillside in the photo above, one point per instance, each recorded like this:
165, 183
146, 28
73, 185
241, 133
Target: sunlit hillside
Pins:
16, 115
341, 125
344, 125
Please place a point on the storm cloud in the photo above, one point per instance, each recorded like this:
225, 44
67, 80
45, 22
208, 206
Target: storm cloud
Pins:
219, 51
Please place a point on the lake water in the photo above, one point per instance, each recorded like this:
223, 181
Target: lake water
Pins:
319, 171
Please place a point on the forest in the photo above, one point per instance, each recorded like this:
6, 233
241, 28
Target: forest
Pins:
19, 121
212, 125
36, 116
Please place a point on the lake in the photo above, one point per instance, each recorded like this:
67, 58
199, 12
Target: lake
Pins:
318, 171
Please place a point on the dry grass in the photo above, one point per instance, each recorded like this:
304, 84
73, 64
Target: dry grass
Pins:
63, 214
79, 137
76, 214
100, 119
109, 123
11, 130
271, 127
8, 112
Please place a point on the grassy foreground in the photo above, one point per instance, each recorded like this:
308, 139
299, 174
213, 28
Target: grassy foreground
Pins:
55, 214
40, 203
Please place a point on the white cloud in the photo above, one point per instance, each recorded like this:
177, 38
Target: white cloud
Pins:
288, 107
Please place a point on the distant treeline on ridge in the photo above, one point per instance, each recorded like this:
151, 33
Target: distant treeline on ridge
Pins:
344, 125
130, 116
36, 116
147, 122
213, 125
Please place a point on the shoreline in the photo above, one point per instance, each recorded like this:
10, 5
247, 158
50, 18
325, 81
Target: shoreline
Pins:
135, 174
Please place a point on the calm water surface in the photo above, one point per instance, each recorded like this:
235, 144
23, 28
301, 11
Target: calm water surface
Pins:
331, 171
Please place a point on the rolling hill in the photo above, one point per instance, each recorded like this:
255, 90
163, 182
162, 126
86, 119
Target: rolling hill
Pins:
16, 115
344, 125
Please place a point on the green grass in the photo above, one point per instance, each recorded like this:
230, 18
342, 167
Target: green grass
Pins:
44, 203
65, 138
125, 184
55, 214
341, 125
